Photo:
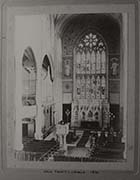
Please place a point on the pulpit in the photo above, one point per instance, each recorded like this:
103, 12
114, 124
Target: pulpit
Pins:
62, 130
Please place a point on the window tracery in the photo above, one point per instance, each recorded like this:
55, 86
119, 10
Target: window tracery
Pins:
91, 68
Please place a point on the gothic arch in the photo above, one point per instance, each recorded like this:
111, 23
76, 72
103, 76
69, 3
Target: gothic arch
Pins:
63, 21
47, 63
90, 59
87, 31
72, 29
108, 25
29, 76
29, 58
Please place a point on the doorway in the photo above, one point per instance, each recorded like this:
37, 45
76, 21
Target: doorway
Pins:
67, 113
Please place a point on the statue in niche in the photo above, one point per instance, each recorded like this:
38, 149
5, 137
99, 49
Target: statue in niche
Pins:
83, 116
67, 68
90, 115
114, 66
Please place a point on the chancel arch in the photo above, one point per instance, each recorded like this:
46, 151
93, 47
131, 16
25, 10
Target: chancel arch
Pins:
91, 40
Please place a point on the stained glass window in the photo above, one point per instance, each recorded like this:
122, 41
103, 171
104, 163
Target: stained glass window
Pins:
91, 68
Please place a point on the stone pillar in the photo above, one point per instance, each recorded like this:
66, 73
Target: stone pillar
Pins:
123, 97
38, 132
18, 124
18, 133
57, 87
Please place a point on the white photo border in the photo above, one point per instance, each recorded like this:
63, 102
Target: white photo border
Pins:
9, 11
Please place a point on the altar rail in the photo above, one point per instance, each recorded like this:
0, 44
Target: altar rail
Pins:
27, 156
35, 156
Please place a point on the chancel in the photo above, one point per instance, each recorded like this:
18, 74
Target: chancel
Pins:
69, 87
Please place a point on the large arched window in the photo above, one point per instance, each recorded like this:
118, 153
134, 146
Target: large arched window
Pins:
90, 80
28, 78
90, 68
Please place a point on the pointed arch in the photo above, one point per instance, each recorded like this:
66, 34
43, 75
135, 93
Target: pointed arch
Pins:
28, 60
91, 67
47, 63
29, 76
47, 78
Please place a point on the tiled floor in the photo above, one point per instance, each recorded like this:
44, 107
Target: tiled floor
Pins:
77, 152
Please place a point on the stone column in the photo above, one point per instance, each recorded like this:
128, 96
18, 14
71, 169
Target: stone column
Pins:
57, 87
38, 132
123, 95
18, 124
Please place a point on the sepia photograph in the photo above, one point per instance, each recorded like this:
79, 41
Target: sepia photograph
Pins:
80, 121
68, 75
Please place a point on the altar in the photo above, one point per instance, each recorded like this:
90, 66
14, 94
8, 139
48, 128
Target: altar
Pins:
91, 115
94, 125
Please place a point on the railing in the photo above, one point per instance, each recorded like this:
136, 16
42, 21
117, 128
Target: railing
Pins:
49, 131
85, 159
35, 156
46, 155
27, 156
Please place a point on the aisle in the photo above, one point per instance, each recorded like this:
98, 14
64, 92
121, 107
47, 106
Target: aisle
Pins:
84, 139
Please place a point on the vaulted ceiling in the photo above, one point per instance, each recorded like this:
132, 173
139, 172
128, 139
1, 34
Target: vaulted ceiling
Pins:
108, 25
